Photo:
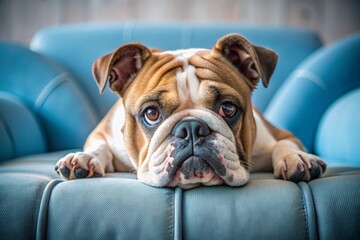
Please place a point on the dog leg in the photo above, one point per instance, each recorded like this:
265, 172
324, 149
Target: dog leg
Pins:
286, 153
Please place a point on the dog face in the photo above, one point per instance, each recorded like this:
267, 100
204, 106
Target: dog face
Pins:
188, 113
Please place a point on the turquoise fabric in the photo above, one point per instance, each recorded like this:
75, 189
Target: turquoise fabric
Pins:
321, 79
20, 131
338, 134
54, 105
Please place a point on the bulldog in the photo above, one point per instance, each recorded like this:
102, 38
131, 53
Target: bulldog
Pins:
185, 118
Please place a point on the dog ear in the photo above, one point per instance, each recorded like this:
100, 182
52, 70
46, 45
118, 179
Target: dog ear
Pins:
120, 67
252, 61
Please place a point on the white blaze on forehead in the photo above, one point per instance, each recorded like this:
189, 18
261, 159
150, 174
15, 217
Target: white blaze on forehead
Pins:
187, 53
188, 83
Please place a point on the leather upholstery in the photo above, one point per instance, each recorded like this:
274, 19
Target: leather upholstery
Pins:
17, 125
49, 102
328, 74
338, 134
43, 88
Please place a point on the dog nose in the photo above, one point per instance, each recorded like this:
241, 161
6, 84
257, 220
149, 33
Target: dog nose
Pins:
191, 129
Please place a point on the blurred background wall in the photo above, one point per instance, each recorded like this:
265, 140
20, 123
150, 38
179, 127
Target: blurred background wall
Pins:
332, 19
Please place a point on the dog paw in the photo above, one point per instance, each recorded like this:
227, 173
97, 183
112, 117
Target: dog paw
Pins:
79, 165
299, 166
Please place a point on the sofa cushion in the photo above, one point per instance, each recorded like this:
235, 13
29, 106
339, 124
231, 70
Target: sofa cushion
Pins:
338, 134
42, 164
20, 197
50, 93
337, 204
106, 209
324, 77
246, 212
17, 126
119, 206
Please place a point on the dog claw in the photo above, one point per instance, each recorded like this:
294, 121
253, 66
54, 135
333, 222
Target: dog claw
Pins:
301, 167
74, 162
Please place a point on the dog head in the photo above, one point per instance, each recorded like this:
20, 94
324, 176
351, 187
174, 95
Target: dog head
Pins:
188, 113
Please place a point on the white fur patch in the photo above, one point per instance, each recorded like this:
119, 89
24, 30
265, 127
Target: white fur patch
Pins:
265, 141
188, 83
187, 53
117, 143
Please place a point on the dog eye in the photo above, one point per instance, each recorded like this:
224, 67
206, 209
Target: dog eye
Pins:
152, 116
227, 110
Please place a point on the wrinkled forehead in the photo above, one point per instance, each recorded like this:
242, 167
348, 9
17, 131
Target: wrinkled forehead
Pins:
201, 65
183, 75
188, 83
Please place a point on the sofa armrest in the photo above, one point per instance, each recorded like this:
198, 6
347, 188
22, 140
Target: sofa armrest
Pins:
320, 80
60, 105
20, 132
338, 135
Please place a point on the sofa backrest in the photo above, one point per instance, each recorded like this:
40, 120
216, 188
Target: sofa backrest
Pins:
78, 46
42, 108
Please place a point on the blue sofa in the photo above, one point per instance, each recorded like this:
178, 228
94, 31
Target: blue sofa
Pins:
49, 103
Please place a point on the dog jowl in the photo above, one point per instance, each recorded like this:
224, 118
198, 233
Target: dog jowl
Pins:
185, 118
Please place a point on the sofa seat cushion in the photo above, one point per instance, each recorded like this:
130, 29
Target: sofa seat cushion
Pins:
267, 208
119, 206
336, 200
43, 164
106, 209
20, 197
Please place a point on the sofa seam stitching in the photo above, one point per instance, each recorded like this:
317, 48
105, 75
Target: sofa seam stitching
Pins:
43, 215
170, 217
305, 213
178, 218
49, 88
311, 77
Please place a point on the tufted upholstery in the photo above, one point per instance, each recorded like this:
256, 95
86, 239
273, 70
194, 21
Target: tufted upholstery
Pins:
49, 102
